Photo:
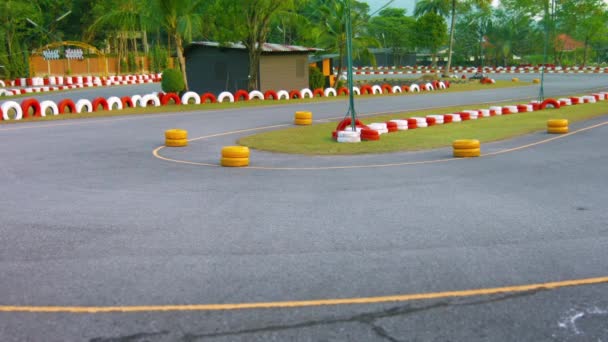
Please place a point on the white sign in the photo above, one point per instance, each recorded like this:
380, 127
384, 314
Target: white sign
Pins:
74, 54
50, 54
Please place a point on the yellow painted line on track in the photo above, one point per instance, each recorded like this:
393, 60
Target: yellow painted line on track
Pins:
157, 154
305, 303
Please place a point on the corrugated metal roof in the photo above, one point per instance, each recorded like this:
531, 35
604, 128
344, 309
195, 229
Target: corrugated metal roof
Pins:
267, 47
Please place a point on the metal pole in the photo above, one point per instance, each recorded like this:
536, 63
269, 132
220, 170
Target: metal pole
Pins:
541, 94
349, 66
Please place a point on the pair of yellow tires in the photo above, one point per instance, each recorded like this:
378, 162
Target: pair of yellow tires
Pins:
466, 148
176, 138
303, 118
235, 156
557, 126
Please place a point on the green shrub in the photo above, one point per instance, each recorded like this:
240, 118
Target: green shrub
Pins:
315, 78
160, 59
172, 82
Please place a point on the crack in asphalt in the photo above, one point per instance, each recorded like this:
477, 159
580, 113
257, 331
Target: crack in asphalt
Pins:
368, 318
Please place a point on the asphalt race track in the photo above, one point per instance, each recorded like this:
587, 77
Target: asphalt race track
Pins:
103, 241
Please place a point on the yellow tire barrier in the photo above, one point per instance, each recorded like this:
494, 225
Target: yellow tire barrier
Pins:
466, 148
536, 81
234, 162
557, 126
303, 116
235, 156
235, 152
465, 144
302, 122
515, 79
467, 152
176, 134
176, 142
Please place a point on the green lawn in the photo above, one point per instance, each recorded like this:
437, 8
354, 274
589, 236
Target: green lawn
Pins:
316, 139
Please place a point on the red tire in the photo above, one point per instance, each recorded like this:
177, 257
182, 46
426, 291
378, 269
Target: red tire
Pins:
387, 88
391, 126
465, 116
343, 91
447, 119
436, 84
366, 89
318, 92
241, 95
164, 99
346, 122
431, 121
522, 108
208, 97
127, 102
30, 103
412, 123
295, 94
100, 101
66, 104
271, 94
574, 100
369, 134
551, 102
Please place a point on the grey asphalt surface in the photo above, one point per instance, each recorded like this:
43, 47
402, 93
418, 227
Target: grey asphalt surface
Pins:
91, 218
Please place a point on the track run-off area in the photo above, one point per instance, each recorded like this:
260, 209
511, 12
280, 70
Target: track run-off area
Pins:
107, 237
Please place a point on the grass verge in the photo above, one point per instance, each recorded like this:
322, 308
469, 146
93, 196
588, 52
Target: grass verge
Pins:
316, 139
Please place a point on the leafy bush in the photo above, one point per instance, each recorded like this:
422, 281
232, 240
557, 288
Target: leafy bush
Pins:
160, 59
315, 78
172, 82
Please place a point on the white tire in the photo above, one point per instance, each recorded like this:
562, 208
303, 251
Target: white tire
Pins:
136, 100
414, 88
376, 89
422, 125
438, 118
497, 110
429, 87
402, 125
419, 120
114, 101
442, 85
356, 91
529, 108
84, 104
47, 104
349, 139
380, 127
396, 89
2, 84
455, 117
254, 94
485, 112
7, 106
329, 91
512, 109
306, 92
225, 95
150, 98
350, 129
282, 93
4, 92
190, 95
348, 134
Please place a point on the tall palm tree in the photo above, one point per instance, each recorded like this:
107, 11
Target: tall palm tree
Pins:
182, 20
442, 7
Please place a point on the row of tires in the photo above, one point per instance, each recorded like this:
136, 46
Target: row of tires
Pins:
370, 132
74, 80
31, 107
49, 88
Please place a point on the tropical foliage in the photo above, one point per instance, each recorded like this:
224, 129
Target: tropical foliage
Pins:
469, 31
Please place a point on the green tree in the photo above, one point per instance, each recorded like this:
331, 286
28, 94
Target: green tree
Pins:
585, 19
181, 19
431, 33
395, 30
17, 35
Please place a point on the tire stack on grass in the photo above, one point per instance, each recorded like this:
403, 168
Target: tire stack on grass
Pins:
303, 118
235, 156
557, 126
348, 137
466, 148
369, 134
176, 138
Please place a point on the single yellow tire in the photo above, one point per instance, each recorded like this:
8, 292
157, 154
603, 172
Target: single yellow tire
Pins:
302, 121
176, 142
536, 81
235, 152
557, 123
465, 144
515, 79
557, 130
176, 134
466, 152
234, 162
303, 115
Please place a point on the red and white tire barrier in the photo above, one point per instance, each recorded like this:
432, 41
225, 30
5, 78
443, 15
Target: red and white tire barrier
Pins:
420, 122
84, 105
379, 126
348, 137
401, 124
306, 93
114, 101
256, 94
439, 119
192, 96
330, 91
6, 108
46, 105
225, 95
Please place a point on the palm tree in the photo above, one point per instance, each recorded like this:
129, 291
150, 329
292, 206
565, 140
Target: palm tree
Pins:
441, 7
182, 20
